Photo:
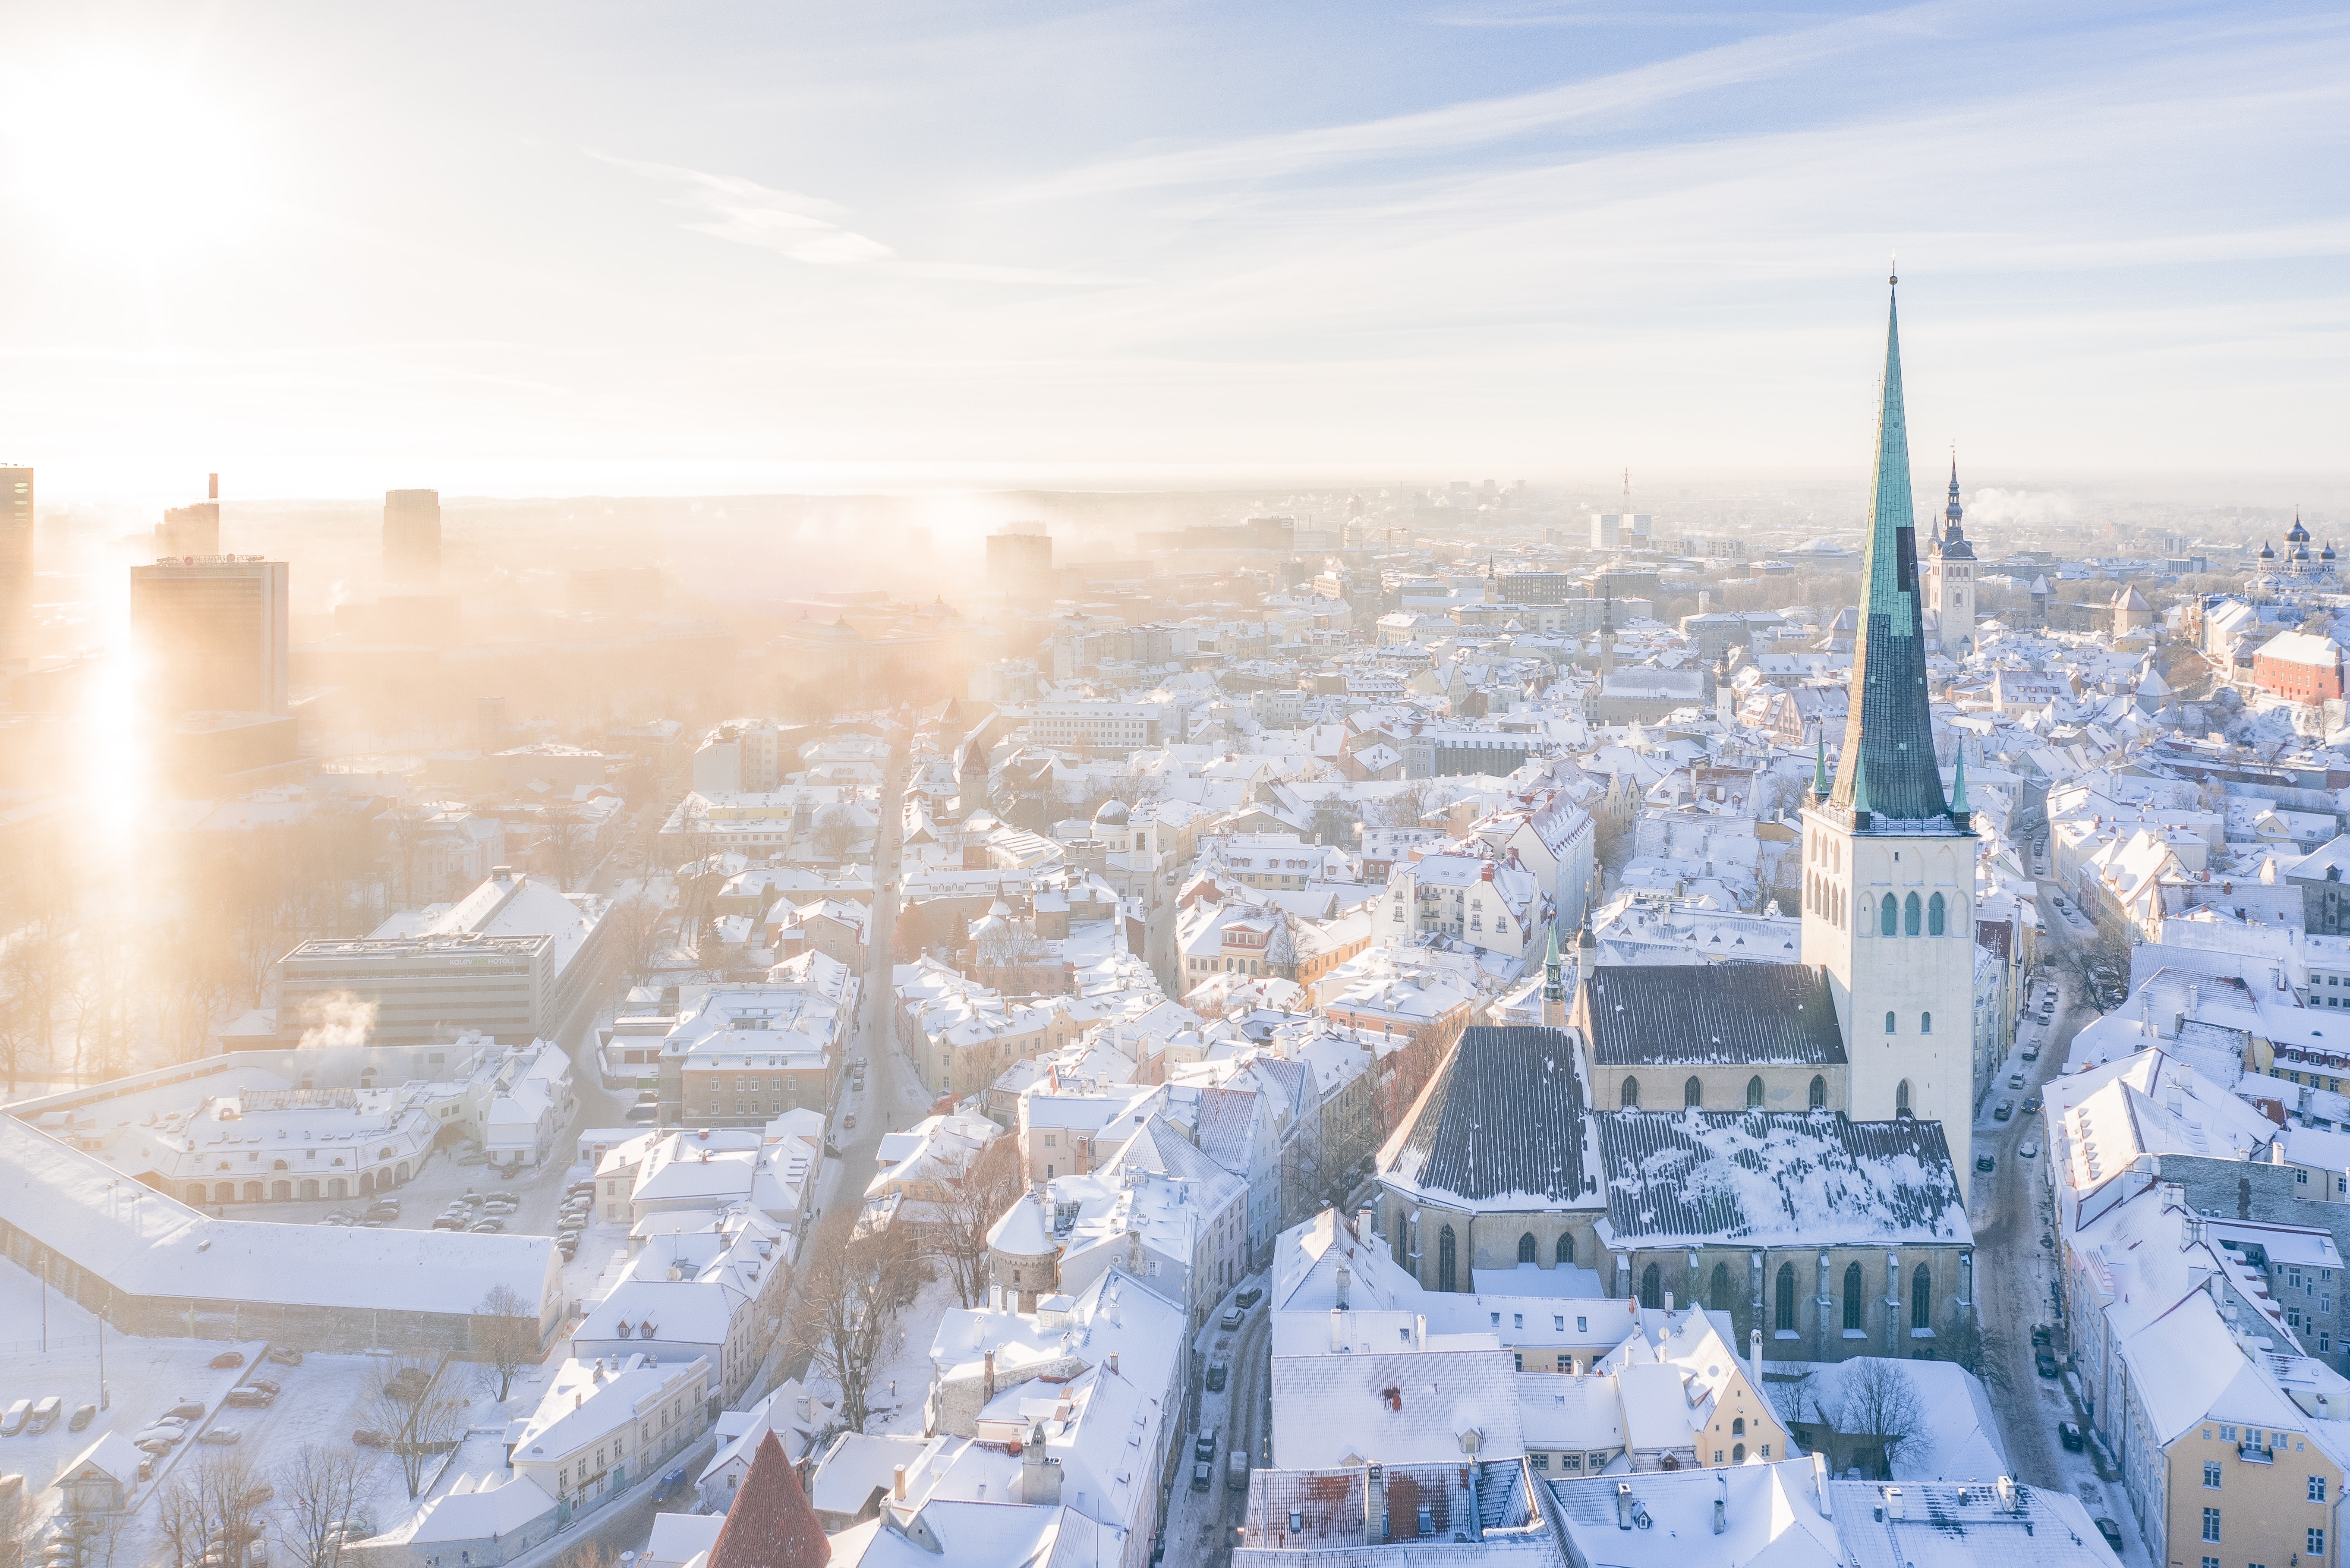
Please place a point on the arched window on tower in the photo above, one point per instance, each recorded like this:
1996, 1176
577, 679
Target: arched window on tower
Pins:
1526, 1248
1783, 1306
1910, 911
1444, 1259
1890, 1026
1854, 1299
1925, 1023
1901, 1098
1890, 908
1693, 1093
1629, 1096
1717, 1290
1819, 1098
1922, 1299
1564, 1251
1754, 1092
1652, 1287
1934, 918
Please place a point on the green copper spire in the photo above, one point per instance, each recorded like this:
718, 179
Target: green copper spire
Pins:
1554, 984
1820, 763
1959, 786
1891, 722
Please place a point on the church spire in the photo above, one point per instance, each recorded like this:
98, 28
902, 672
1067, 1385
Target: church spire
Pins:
1953, 510
1891, 722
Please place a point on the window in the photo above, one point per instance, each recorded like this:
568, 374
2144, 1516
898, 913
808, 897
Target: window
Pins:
1891, 912
1900, 1095
1526, 1248
1784, 1310
1444, 1259
1738, 1427
1934, 916
1922, 1300
1853, 1304
1737, 1453
1925, 1023
2210, 1562
1819, 1095
1564, 1253
1652, 1287
2317, 1488
1910, 912
1754, 1092
1718, 1289
1629, 1098
1890, 1027
2212, 1525
2317, 1544
1693, 1093
2210, 1475
1542, 1462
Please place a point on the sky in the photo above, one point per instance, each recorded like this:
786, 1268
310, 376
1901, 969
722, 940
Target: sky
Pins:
540, 248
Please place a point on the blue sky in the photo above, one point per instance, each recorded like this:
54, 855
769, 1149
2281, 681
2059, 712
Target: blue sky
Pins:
702, 247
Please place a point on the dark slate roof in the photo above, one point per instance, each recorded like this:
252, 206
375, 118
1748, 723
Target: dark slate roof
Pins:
1672, 1014
1502, 1120
1800, 1178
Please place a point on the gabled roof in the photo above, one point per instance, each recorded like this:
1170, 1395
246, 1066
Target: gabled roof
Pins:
1503, 1120
1740, 1012
1795, 1179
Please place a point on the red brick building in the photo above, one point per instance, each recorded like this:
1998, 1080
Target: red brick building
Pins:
2300, 666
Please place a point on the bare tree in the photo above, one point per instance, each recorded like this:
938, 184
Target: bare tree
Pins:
968, 1206
630, 930
564, 841
511, 1340
232, 1496
406, 826
1877, 1403
1402, 1073
1017, 963
1400, 808
852, 1288
418, 1415
1980, 1348
181, 1525
317, 1493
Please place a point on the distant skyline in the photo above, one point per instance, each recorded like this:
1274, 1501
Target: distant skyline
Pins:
736, 247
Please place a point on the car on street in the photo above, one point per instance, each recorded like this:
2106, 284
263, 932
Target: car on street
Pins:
370, 1439
1249, 1298
186, 1410
1232, 1318
1217, 1374
2110, 1531
2032, 1103
2032, 1052
849, 1122
2028, 1150
2069, 1434
249, 1398
227, 1358
1986, 1163
1199, 1477
219, 1437
449, 1221
82, 1416
1205, 1449
285, 1356
2003, 1111
2015, 1080
640, 1112
2044, 1364
486, 1227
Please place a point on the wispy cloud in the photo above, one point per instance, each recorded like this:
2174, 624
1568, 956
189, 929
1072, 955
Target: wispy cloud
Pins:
811, 229
1486, 120
728, 207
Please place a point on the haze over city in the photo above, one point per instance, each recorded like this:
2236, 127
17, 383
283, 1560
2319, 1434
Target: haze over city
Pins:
941, 785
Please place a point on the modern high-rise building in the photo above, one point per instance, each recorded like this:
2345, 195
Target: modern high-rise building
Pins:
15, 561
192, 530
213, 633
1020, 562
412, 536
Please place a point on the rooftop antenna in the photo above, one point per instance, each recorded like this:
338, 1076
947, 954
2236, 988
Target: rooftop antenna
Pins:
1896, 275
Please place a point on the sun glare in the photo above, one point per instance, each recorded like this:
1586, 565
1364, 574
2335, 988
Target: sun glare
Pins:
129, 164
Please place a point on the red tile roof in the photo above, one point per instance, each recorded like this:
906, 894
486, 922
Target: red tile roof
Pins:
771, 1524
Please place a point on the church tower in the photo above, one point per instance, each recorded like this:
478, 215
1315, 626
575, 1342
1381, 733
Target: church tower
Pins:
1951, 577
1888, 861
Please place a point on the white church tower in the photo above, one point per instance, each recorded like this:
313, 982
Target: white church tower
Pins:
1951, 577
1888, 861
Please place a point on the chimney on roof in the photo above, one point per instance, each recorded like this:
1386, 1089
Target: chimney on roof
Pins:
2011, 1496
987, 1377
1721, 1503
1337, 1330
212, 487
1367, 1224
1345, 1281
1893, 1503
1623, 1505
898, 1482
1820, 1485
1754, 1357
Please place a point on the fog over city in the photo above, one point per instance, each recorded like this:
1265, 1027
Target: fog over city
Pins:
945, 786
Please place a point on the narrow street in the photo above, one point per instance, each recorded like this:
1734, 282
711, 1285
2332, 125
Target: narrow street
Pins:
1202, 1526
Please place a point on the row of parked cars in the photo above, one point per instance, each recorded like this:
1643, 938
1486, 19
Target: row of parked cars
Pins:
374, 1217
35, 1417
487, 1216
579, 1213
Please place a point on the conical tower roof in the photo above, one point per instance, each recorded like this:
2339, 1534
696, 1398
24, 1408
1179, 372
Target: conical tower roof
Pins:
770, 1523
1890, 732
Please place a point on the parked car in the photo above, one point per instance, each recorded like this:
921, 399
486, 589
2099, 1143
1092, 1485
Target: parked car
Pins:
580, 1190
2028, 1150
2110, 1531
228, 1359
1236, 1470
1249, 1298
368, 1439
449, 1221
1217, 1374
2003, 1111
1200, 1476
2015, 1080
2032, 1052
187, 1410
268, 1386
1232, 1318
486, 1227
849, 1121
82, 1416
249, 1398
2069, 1434
640, 1112
2044, 1364
285, 1356
2031, 1104
1205, 1447
408, 1383
1986, 1163
219, 1437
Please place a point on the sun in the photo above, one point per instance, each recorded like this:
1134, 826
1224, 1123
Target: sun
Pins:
129, 163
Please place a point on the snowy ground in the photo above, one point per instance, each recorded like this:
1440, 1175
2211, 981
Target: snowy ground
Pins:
901, 1374
324, 1403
